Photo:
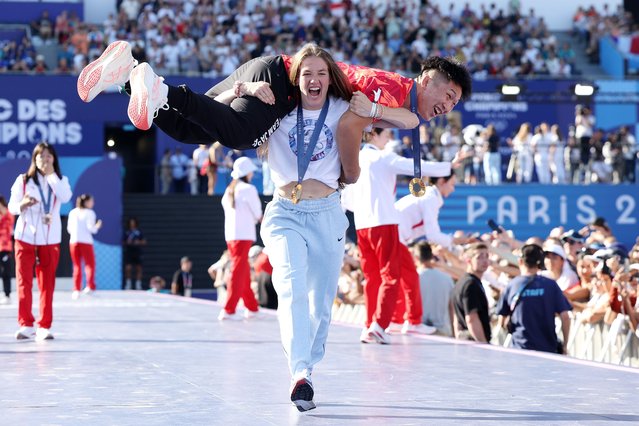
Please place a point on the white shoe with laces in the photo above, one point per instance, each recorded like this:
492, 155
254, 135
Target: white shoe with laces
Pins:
148, 95
112, 68
88, 291
377, 333
364, 337
43, 334
225, 316
422, 329
252, 315
75, 295
4, 299
25, 333
394, 328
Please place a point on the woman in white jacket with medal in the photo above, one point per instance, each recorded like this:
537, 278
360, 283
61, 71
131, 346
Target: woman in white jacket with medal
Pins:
36, 197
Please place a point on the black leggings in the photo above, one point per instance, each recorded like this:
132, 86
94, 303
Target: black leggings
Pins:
195, 118
5, 271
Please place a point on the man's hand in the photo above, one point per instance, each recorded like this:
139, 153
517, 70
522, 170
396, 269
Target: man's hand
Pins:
360, 104
260, 89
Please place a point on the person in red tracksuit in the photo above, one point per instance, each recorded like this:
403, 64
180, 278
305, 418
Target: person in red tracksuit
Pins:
372, 201
37, 196
242, 211
6, 248
81, 225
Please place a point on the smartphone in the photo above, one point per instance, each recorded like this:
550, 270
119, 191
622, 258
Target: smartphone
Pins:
492, 225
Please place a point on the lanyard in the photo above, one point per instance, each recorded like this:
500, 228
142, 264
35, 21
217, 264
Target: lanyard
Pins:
416, 185
304, 156
46, 203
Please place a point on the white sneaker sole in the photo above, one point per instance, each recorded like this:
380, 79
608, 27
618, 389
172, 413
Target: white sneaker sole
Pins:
113, 67
143, 81
379, 338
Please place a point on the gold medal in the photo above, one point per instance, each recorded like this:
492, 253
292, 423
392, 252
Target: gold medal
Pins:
417, 187
296, 193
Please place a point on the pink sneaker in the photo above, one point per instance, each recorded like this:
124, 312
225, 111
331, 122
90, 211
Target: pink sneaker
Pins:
148, 95
113, 67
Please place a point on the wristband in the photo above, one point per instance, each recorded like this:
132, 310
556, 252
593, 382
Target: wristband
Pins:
373, 112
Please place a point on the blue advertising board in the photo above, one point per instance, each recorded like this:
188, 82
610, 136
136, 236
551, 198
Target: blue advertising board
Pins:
541, 101
533, 210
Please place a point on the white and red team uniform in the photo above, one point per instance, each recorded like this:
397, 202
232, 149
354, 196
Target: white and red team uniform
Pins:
372, 200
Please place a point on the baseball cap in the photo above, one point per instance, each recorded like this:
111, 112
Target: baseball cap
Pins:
533, 255
555, 249
242, 167
572, 235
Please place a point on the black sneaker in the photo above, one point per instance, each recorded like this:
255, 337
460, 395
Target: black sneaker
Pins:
302, 395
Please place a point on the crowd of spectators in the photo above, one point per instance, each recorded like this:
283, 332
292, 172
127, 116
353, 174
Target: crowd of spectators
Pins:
211, 38
590, 25
596, 273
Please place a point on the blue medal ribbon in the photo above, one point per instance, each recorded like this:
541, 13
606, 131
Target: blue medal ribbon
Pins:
304, 156
417, 157
46, 203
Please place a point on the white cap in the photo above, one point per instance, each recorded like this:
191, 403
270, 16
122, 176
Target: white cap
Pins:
556, 249
242, 167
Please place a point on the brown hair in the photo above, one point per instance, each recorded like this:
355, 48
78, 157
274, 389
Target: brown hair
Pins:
339, 87
82, 200
31, 173
231, 188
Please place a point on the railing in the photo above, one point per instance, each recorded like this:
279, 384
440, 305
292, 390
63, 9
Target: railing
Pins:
616, 343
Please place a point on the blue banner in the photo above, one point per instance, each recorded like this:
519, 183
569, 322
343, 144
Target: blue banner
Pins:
533, 210
547, 101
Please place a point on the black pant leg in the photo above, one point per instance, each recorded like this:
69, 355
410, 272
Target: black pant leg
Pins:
245, 124
5, 271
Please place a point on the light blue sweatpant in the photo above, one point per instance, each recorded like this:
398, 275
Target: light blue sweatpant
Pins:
305, 245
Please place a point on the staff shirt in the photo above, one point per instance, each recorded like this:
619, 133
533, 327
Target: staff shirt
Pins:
30, 226
81, 225
372, 197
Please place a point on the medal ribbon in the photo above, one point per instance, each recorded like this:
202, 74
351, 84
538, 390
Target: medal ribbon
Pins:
417, 157
304, 156
46, 203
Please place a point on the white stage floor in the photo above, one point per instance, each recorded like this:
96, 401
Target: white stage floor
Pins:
137, 358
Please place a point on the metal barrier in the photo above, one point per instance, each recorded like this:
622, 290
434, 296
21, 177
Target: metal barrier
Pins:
616, 343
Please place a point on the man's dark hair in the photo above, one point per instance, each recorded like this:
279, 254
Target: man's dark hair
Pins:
533, 256
453, 70
424, 251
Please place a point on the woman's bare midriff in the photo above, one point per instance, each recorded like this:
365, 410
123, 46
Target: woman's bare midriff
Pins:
311, 189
